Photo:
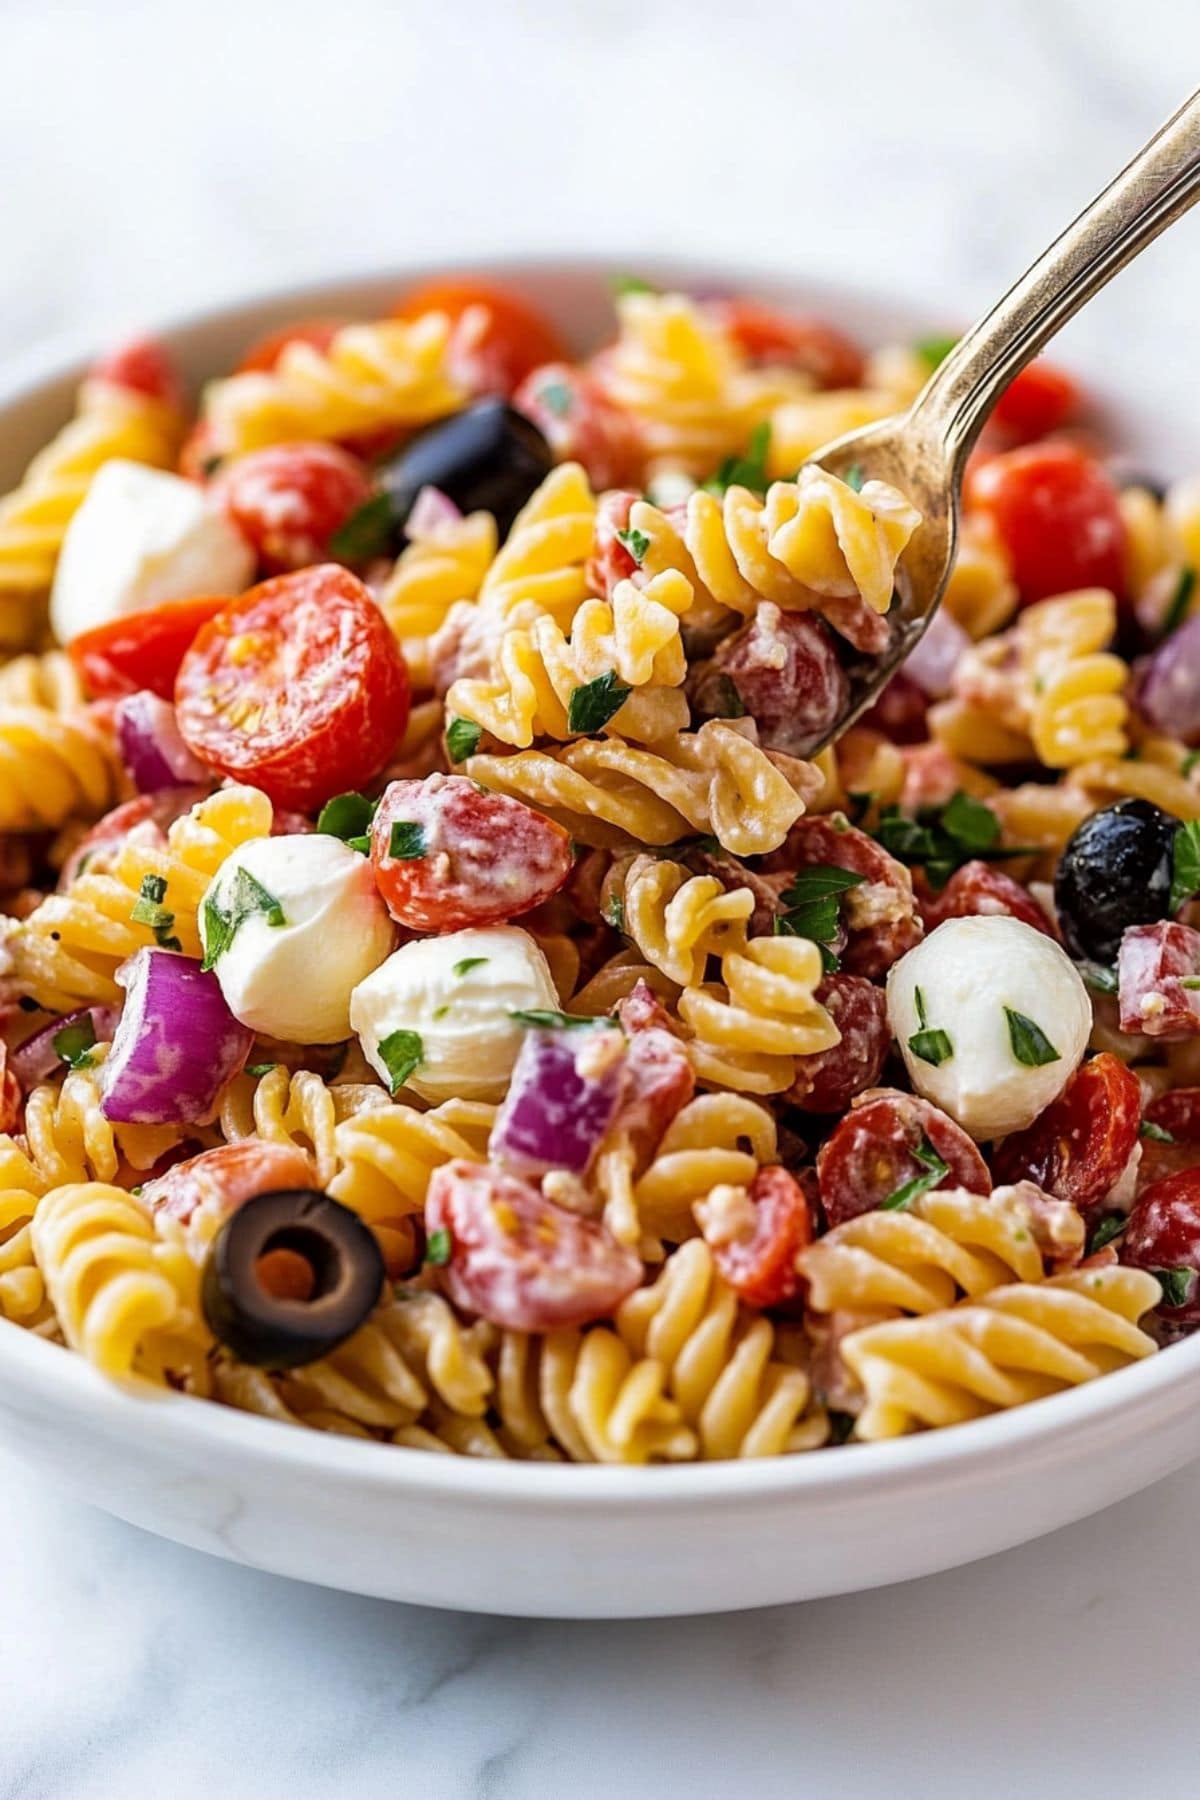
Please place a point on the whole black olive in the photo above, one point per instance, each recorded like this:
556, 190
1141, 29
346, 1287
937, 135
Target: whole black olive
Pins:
1115, 872
345, 1275
489, 458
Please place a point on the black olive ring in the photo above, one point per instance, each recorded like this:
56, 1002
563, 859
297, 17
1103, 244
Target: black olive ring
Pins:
282, 1333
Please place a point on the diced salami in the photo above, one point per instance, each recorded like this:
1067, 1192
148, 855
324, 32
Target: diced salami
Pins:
517, 1259
829, 1081
887, 1140
900, 710
980, 890
880, 914
1158, 975
217, 1181
781, 669
1164, 1236
1081, 1145
1171, 1135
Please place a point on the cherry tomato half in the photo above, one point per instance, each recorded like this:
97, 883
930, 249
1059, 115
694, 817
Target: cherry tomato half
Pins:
289, 499
516, 338
1164, 1237
144, 367
264, 353
1038, 400
768, 335
141, 649
1058, 516
298, 687
1079, 1147
762, 1268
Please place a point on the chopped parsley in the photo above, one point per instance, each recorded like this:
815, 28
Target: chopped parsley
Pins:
246, 897
631, 284
592, 706
813, 903
934, 1168
406, 840
931, 1045
1030, 1045
366, 533
74, 1042
613, 912
1106, 1231
1156, 1133
437, 1249
941, 840
556, 397
1185, 864
637, 544
400, 1053
1097, 976
1181, 601
148, 909
551, 1021
933, 351
1176, 1284
466, 965
854, 477
349, 817
259, 1069
462, 739
748, 471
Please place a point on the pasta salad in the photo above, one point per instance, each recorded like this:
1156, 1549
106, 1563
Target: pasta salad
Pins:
450, 994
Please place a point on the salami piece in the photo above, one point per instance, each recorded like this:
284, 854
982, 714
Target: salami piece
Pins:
1154, 966
880, 912
781, 669
830, 1080
887, 1141
979, 890
1081, 1145
1164, 1237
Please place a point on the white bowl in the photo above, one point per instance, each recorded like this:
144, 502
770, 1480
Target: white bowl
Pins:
572, 1541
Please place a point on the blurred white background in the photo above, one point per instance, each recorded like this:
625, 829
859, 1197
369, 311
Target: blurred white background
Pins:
158, 157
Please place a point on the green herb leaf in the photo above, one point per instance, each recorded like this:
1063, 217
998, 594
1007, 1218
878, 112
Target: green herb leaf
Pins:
556, 397
349, 817
149, 910
552, 1021
593, 705
1176, 1284
819, 880
400, 1053
932, 1046
813, 903
631, 284
970, 823
260, 1069
1181, 601
406, 841
74, 1042
462, 739
1190, 981
437, 1249
933, 351
1106, 1231
154, 888
1030, 1045
815, 919
1097, 976
854, 477
941, 840
1185, 866
614, 912
748, 471
367, 533
636, 542
912, 1190
466, 965
246, 897
1156, 1133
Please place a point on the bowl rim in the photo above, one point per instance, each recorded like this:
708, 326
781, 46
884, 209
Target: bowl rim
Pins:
1137, 1395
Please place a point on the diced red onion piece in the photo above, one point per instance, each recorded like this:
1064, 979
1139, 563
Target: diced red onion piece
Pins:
37, 1059
932, 664
151, 745
1166, 684
565, 1089
176, 1046
430, 510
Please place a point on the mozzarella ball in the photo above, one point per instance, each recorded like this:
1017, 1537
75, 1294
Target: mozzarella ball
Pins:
293, 979
141, 537
966, 979
457, 993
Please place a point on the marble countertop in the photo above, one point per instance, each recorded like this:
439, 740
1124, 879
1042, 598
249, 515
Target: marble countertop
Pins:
159, 158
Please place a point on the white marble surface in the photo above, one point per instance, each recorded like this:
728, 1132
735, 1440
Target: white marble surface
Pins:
158, 157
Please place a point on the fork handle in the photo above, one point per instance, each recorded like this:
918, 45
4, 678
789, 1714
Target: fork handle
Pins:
1150, 193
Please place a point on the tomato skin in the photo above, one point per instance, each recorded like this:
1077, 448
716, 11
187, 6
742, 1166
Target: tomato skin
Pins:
262, 356
289, 499
873, 1152
143, 367
1057, 514
516, 338
1079, 1147
762, 1271
767, 334
485, 857
298, 687
141, 649
1164, 1233
977, 890
219, 1180
1039, 400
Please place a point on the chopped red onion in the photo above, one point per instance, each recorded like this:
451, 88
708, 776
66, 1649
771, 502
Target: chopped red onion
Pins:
1166, 684
565, 1090
37, 1059
932, 664
176, 1046
151, 745
430, 510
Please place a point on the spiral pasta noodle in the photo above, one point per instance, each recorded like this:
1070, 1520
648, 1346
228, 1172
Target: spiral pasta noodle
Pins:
385, 1156
442, 566
679, 920
674, 372
542, 565
715, 1140
749, 1028
49, 681
53, 767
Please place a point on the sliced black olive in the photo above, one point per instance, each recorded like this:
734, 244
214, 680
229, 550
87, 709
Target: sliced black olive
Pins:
345, 1275
489, 458
1115, 872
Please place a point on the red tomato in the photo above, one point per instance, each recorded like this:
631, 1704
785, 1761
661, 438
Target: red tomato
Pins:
219, 1180
298, 687
1038, 400
768, 335
144, 367
289, 500
264, 353
1079, 1147
1164, 1236
580, 424
611, 560
980, 890
519, 1260
879, 1148
515, 338
1057, 514
1178, 1114
448, 855
761, 1269
141, 649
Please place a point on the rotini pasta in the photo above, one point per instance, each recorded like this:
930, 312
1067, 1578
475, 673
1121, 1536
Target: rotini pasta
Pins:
53, 767
751, 1026
442, 566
